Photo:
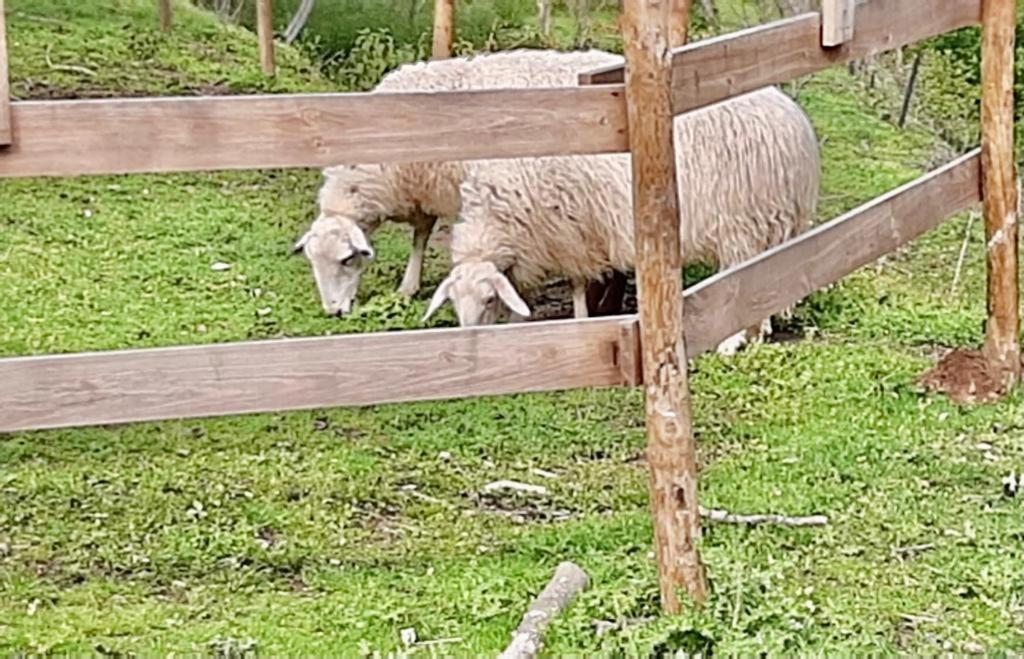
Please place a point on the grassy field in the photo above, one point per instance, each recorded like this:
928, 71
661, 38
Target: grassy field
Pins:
330, 531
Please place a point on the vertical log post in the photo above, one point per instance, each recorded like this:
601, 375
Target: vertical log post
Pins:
444, 29
5, 85
265, 35
837, 21
164, 7
671, 453
679, 26
999, 188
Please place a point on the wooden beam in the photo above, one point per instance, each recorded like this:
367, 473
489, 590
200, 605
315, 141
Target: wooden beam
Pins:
296, 374
5, 85
1002, 331
671, 451
444, 28
265, 35
715, 69
837, 21
68, 138
740, 297
166, 15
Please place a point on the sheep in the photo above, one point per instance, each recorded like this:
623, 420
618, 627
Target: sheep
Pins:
748, 175
354, 200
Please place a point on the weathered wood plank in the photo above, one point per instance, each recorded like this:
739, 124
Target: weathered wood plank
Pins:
715, 69
837, 21
293, 374
671, 450
725, 303
265, 35
444, 29
67, 138
5, 89
999, 185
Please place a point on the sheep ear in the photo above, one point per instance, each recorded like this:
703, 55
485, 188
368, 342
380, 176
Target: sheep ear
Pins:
300, 244
360, 244
438, 300
509, 296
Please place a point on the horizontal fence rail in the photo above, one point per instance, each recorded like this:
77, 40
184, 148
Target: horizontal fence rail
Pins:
290, 374
118, 136
740, 297
713, 70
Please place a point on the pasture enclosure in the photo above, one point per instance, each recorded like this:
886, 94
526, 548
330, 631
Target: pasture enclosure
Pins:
605, 115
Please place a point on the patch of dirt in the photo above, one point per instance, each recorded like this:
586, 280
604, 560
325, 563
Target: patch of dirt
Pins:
965, 376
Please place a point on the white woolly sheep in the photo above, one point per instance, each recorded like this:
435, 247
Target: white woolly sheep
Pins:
748, 174
354, 200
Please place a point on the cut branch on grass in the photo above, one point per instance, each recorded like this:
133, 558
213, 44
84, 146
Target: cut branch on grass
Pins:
516, 486
725, 517
528, 639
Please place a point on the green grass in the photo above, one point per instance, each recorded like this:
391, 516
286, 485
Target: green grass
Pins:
330, 531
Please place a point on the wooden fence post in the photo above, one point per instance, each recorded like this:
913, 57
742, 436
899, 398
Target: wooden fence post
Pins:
999, 188
837, 21
671, 454
444, 29
5, 85
265, 34
679, 27
164, 7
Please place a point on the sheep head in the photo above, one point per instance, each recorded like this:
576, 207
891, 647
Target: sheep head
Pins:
477, 290
339, 252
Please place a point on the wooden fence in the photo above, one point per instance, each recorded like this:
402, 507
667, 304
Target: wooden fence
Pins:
110, 136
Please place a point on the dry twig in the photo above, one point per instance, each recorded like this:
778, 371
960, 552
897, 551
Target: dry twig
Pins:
725, 517
66, 67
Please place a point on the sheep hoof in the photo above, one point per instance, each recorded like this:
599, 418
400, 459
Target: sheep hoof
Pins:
732, 345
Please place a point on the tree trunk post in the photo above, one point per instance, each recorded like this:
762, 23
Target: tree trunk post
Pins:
671, 453
999, 189
265, 35
164, 8
679, 27
6, 135
444, 29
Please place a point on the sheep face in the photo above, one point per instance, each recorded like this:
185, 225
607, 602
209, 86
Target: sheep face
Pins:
477, 290
339, 252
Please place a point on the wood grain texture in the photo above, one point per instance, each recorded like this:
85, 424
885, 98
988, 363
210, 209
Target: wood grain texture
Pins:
165, 13
679, 24
67, 138
837, 21
265, 35
292, 374
444, 29
5, 84
671, 451
999, 189
725, 303
715, 69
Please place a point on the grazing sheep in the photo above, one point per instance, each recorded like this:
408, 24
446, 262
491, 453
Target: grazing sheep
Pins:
748, 175
354, 200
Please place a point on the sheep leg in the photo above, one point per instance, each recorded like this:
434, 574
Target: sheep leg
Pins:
579, 300
422, 228
615, 293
